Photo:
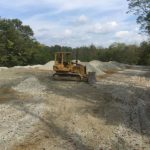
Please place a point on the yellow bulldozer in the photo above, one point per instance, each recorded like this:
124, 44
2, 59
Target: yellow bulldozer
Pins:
66, 69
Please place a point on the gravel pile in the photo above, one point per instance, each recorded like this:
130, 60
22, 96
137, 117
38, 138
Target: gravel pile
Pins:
3, 68
38, 113
101, 67
93, 66
21, 111
31, 86
47, 66
140, 80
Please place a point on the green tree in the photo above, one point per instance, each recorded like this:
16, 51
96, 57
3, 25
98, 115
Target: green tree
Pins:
141, 8
145, 53
17, 45
15, 40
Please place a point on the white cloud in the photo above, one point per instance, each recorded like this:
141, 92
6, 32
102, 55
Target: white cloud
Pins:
65, 5
130, 37
97, 28
113, 24
122, 34
68, 33
104, 27
82, 19
75, 22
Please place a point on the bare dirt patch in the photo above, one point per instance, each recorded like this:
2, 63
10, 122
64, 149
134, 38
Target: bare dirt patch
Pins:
38, 113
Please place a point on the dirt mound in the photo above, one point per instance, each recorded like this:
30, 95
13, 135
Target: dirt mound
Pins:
18, 111
39, 113
3, 68
102, 67
93, 66
47, 66
31, 86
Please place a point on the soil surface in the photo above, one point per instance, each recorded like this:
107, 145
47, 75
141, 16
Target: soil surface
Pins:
38, 113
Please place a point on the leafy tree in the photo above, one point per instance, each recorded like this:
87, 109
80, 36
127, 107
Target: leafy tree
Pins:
141, 8
16, 39
17, 45
145, 53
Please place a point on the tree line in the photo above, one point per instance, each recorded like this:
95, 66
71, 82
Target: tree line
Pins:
19, 47
120, 52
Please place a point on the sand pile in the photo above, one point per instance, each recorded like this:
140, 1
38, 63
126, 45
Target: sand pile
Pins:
20, 112
47, 66
31, 86
102, 67
3, 68
93, 66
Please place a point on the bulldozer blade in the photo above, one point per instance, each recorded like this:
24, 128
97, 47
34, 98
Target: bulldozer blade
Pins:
91, 78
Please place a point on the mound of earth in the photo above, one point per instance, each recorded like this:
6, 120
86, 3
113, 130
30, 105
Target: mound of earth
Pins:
101, 68
38, 113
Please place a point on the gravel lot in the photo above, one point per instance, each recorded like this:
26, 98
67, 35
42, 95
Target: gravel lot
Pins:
38, 113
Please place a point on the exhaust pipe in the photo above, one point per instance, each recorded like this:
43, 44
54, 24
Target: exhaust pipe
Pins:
76, 56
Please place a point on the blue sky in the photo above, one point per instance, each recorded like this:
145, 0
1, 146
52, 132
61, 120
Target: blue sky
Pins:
75, 22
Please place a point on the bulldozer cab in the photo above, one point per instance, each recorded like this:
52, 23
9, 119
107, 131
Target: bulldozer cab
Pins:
63, 58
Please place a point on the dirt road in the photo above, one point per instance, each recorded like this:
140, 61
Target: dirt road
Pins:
37, 113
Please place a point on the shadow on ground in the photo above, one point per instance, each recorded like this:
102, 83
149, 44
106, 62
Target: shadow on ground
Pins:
115, 104
132, 106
